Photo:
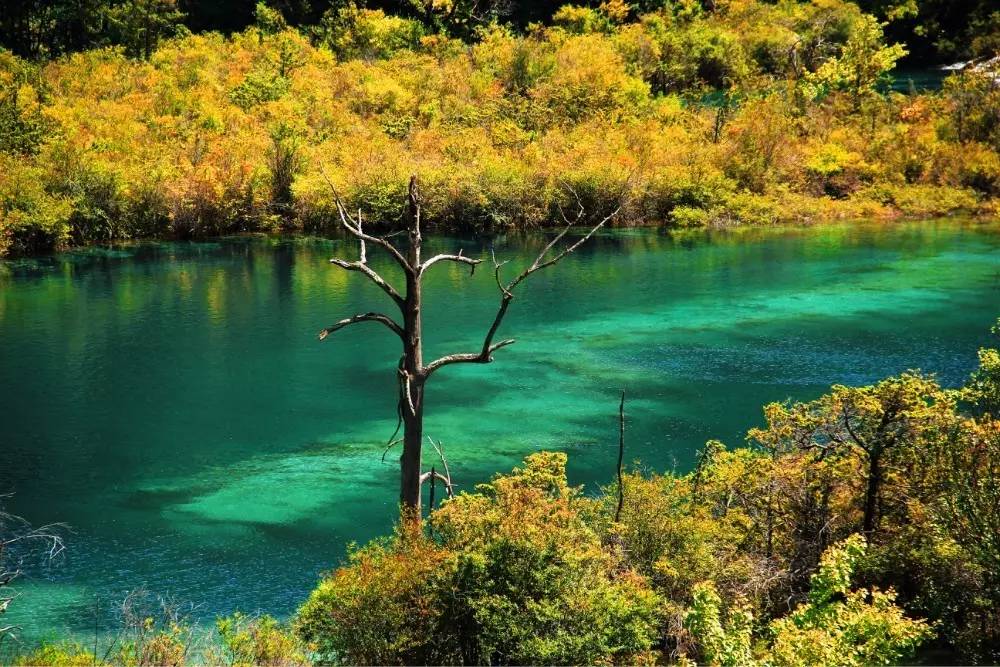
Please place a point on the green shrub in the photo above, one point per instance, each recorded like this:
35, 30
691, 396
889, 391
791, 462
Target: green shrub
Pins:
983, 387
580, 20
513, 576
260, 85
261, 640
836, 626
924, 200
388, 605
357, 33
974, 96
689, 216
58, 655
31, 218
840, 626
23, 125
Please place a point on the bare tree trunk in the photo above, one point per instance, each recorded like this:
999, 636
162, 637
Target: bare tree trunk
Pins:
409, 462
412, 372
413, 365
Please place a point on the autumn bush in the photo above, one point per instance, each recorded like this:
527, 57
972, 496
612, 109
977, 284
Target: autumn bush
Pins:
748, 113
510, 574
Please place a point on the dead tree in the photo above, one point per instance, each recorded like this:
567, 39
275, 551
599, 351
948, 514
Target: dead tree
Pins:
413, 373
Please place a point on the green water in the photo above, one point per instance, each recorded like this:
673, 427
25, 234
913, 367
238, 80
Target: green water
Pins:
918, 80
172, 404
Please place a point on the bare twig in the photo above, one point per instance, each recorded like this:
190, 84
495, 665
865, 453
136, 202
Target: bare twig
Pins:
365, 317
362, 267
15, 531
392, 443
439, 448
433, 473
485, 354
459, 258
354, 227
430, 502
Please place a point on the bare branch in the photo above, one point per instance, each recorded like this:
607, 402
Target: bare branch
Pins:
439, 448
485, 354
483, 357
436, 475
361, 242
364, 317
407, 391
416, 244
372, 275
392, 443
13, 530
540, 261
460, 258
354, 227
496, 271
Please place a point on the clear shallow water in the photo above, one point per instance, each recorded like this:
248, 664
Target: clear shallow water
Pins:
171, 401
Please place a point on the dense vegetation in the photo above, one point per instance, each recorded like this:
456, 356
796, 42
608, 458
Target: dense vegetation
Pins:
733, 113
935, 30
859, 528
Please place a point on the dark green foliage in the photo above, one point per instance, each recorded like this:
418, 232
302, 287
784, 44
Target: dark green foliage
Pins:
139, 25
22, 131
975, 106
51, 28
941, 30
23, 126
933, 30
284, 160
366, 34
514, 576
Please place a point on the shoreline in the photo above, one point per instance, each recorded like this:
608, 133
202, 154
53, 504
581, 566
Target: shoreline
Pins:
984, 214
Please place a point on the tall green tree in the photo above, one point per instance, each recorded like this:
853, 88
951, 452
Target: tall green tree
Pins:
43, 28
139, 25
861, 64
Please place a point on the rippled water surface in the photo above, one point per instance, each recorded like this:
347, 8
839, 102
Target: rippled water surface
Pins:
172, 404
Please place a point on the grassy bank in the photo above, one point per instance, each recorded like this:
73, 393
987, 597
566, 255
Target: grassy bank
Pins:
752, 113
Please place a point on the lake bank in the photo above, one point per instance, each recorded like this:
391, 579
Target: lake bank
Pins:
214, 135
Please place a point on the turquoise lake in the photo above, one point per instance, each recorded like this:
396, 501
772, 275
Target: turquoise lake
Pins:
170, 402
